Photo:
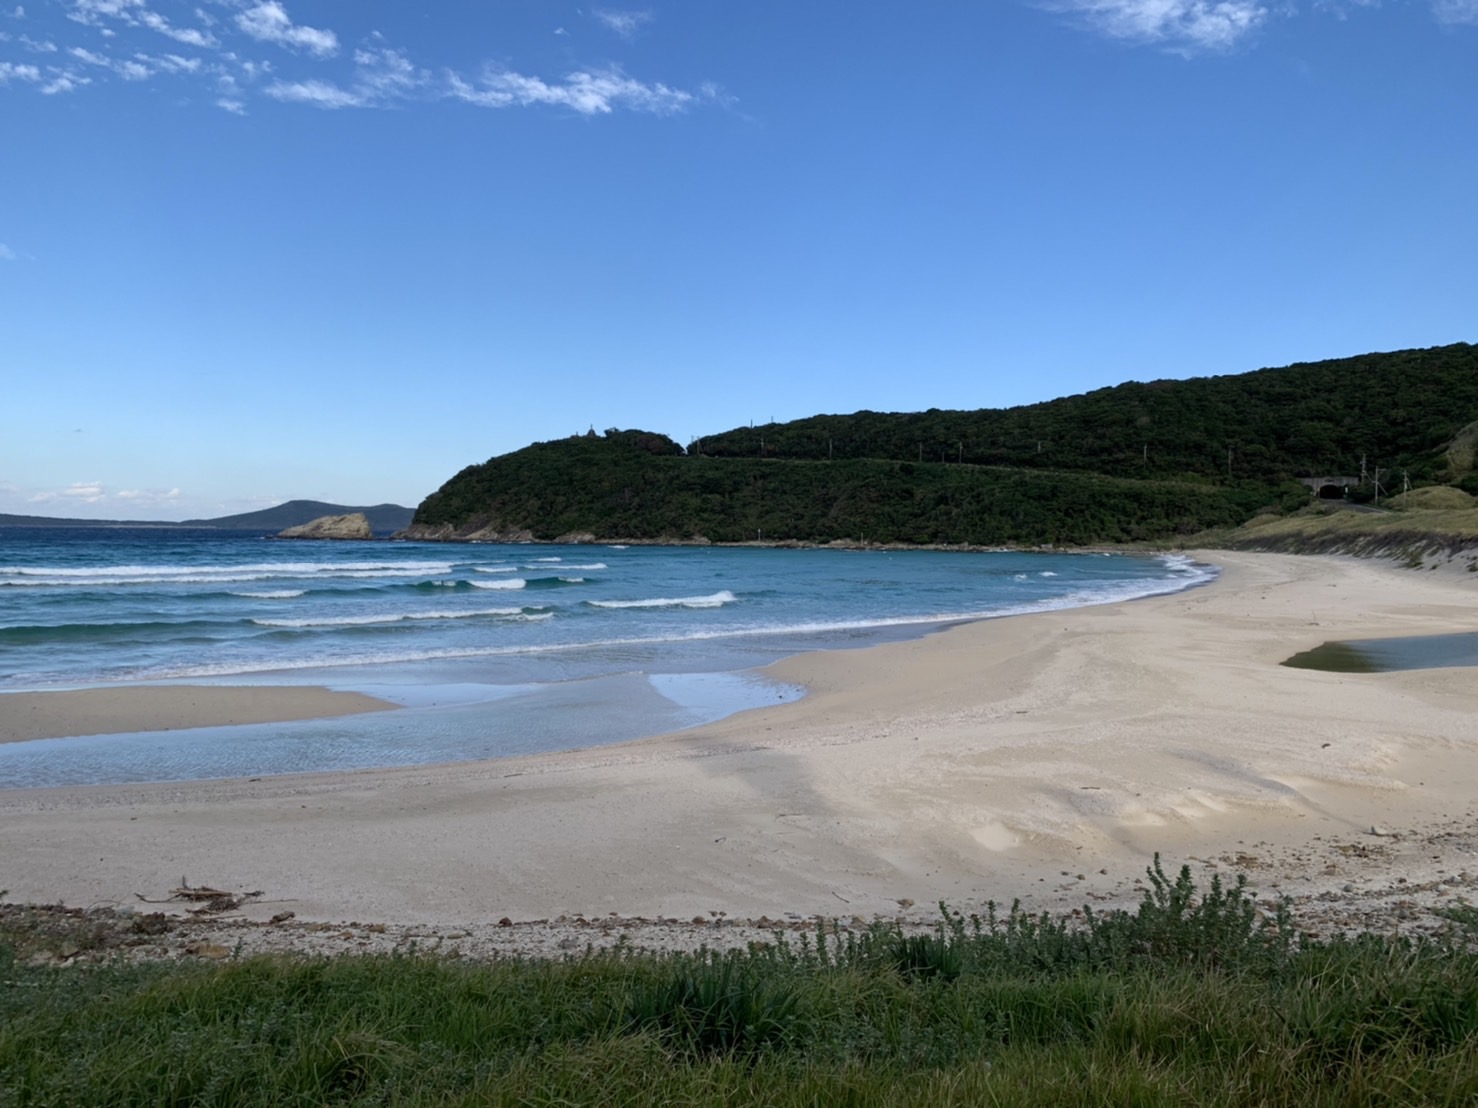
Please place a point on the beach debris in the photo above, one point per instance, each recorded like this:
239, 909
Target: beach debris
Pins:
282, 917
212, 901
208, 950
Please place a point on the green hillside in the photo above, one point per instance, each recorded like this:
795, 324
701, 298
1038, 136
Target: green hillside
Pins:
1399, 410
1132, 463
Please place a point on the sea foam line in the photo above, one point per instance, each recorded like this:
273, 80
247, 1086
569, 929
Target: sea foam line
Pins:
276, 568
715, 600
392, 617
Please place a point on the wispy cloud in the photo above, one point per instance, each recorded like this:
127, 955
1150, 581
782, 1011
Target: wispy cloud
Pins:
624, 23
9, 71
84, 492
248, 50
1206, 26
153, 498
269, 22
7, 254
1180, 24
1456, 11
587, 93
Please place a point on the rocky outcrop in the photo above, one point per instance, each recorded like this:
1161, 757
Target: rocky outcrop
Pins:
445, 532
352, 526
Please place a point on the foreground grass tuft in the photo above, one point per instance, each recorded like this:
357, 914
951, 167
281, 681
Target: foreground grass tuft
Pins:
1195, 998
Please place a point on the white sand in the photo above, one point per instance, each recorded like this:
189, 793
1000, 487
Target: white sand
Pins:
1006, 757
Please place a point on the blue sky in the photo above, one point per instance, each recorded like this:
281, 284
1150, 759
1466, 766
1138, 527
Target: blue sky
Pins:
260, 249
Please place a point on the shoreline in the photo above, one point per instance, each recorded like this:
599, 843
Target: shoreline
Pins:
1047, 756
129, 709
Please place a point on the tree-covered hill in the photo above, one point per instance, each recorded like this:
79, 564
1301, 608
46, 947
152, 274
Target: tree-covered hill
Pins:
1130, 463
1399, 411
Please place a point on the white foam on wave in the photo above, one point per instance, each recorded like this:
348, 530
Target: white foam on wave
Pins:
618, 546
494, 569
293, 569
277, 594
207, 575
715, 600
1188, 574
548, 559
509, 583
389, 617
1046, 573
573, 580
588, 567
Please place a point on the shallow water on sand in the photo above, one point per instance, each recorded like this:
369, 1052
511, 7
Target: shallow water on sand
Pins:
493, 650
1388, 655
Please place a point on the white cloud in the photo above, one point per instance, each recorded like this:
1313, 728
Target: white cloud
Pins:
9, 71
129, 69
269, 22
93, 12
64, 82
387, 73
1191, 25
88, 492
148, 497
625, 24
221, 45
1456, 11
321, 94
7, 254
187, 35
586, 93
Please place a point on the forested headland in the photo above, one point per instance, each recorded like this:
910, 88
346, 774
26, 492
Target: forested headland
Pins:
1132, 463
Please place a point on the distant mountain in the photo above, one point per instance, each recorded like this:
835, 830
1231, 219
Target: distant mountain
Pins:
384, 518
295, 513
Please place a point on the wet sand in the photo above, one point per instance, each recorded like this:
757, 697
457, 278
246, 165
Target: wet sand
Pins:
108, 711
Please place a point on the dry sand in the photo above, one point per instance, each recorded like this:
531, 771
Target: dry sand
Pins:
1046, 756
76, 712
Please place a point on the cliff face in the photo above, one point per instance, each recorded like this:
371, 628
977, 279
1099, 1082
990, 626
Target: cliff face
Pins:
352, 526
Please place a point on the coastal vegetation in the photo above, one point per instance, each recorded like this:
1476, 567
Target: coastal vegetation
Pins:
1132, 463
1198, 997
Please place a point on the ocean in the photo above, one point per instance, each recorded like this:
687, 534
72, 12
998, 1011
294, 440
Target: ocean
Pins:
493, 650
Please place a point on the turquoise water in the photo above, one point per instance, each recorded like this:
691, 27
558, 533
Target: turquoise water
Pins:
493, 650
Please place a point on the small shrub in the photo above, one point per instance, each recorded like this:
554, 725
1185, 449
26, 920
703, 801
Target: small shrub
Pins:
714, 1007
927, 956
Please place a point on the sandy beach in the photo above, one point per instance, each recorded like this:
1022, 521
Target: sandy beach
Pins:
103, 711
1046, 756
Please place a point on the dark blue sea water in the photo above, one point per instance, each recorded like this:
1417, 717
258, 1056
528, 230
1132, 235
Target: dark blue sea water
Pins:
494, 650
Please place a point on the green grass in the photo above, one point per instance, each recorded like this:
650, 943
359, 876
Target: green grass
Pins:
1194, 999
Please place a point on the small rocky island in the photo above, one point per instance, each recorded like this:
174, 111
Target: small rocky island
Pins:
355, 525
